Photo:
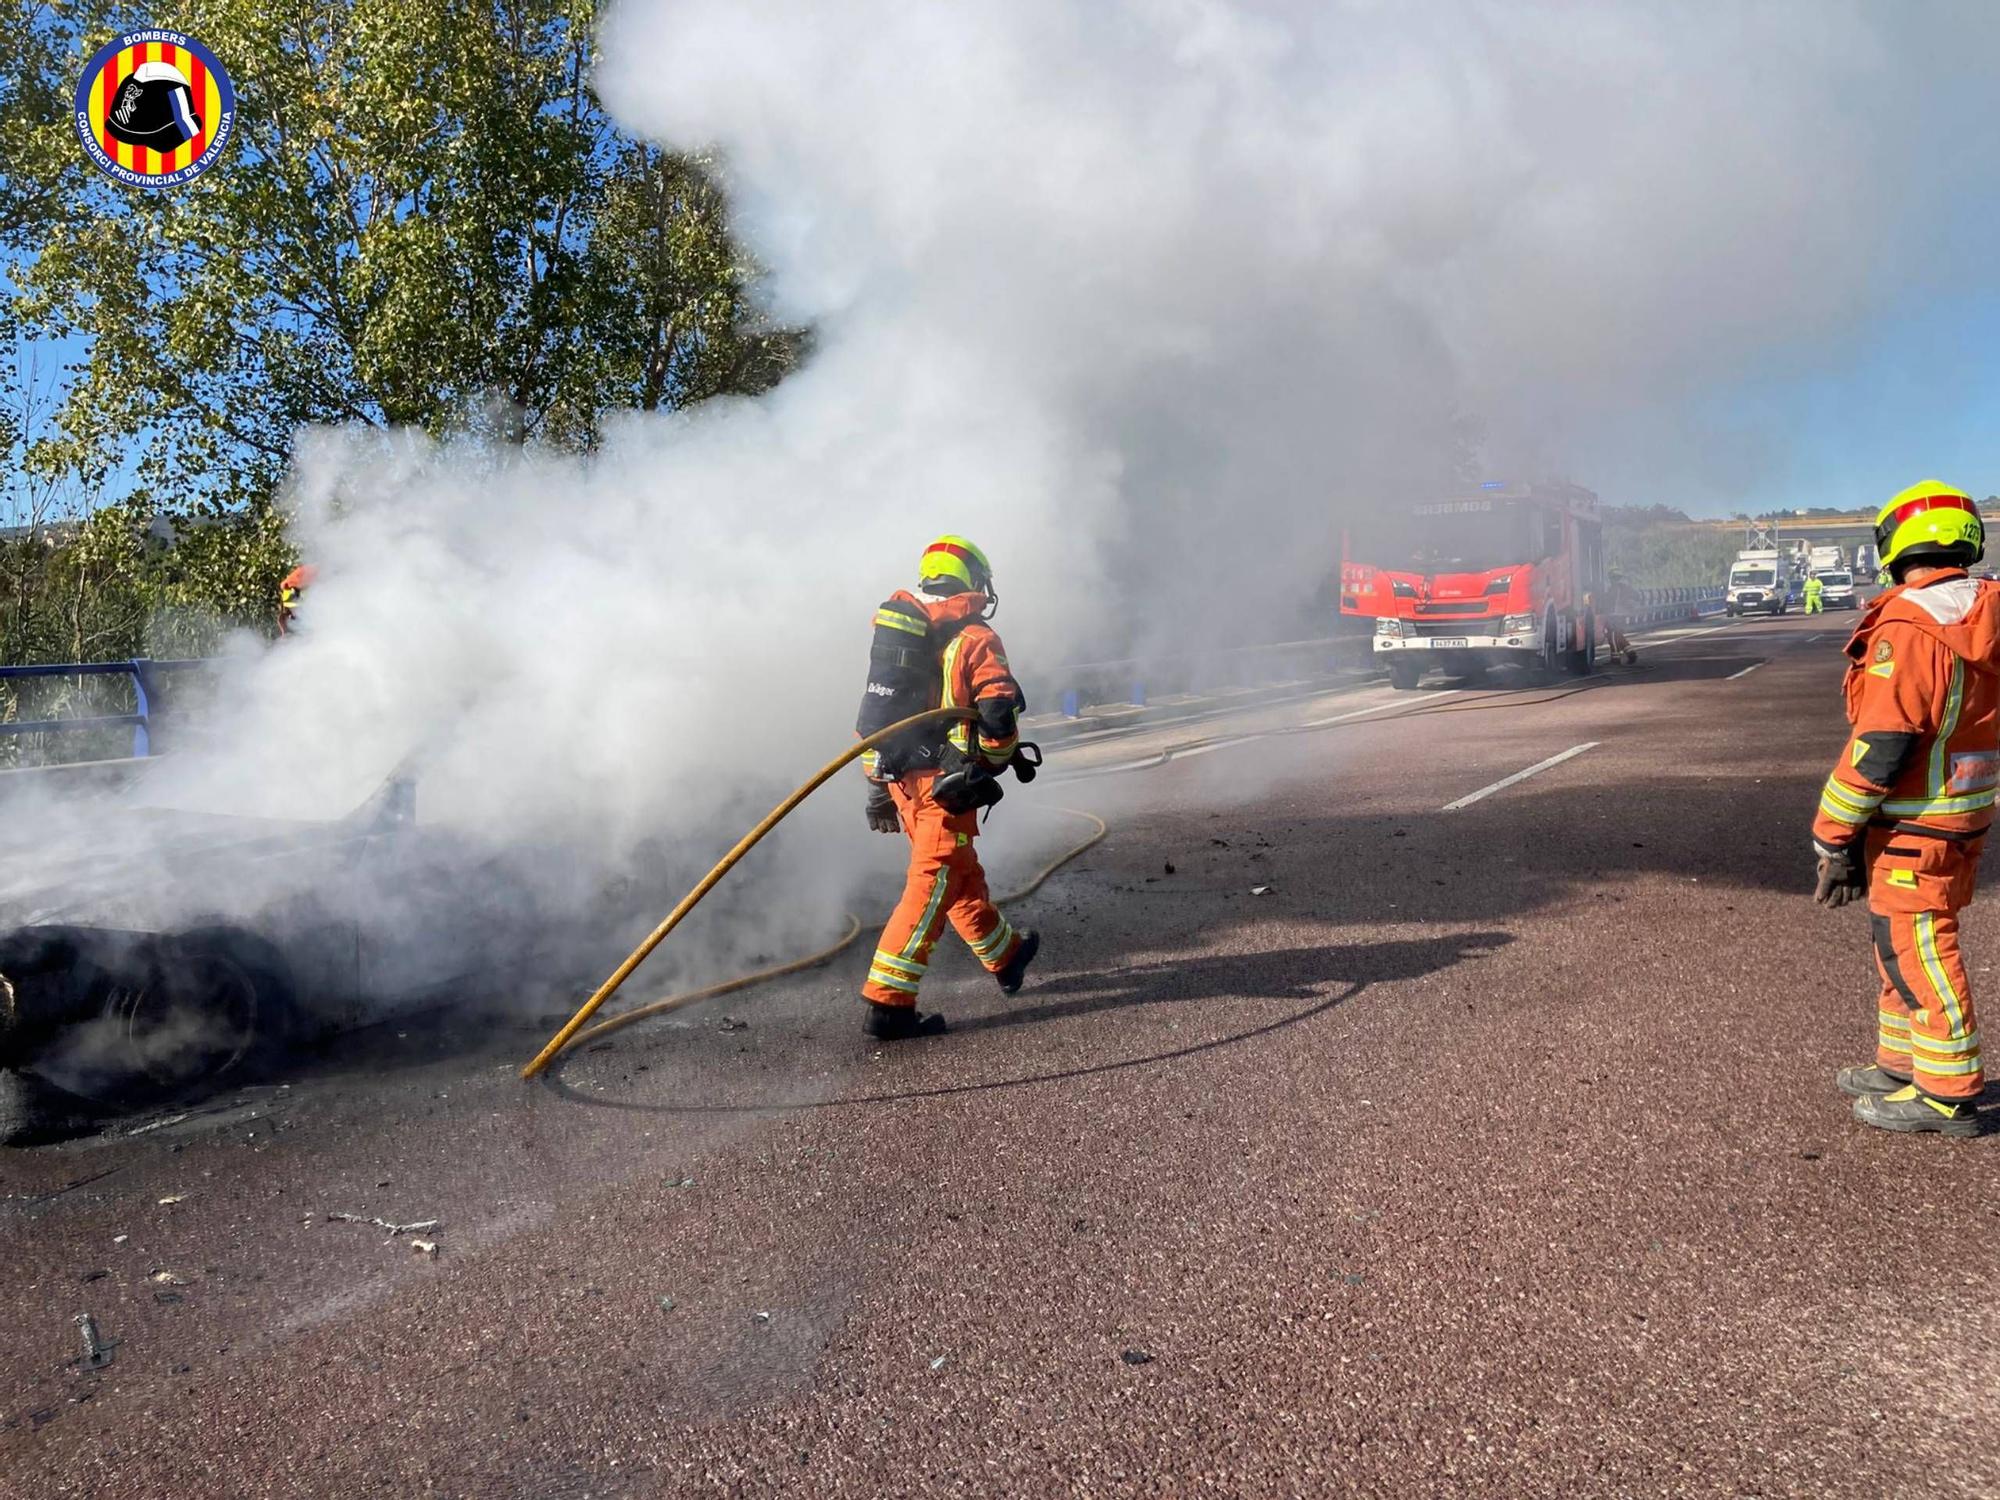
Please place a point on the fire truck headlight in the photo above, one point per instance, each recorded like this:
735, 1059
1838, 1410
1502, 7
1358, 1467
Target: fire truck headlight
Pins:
1389, 629
1517, 624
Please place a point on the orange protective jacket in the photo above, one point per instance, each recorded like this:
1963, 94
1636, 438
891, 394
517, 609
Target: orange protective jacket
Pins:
1923, 696
974, 674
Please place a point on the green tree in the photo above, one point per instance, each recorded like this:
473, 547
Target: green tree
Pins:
1660, 547
426, 219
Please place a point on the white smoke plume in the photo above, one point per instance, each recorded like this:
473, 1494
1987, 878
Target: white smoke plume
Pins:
1141, 294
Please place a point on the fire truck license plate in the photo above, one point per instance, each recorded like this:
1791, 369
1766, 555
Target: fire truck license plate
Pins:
1446, 642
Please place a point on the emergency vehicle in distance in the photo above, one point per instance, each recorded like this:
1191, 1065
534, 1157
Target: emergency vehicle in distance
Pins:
1761, 578
1501, 573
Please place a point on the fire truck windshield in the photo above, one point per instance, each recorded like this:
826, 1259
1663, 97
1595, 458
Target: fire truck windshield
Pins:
1456, 536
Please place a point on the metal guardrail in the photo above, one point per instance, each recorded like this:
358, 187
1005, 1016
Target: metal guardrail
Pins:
1658, 606
145, 674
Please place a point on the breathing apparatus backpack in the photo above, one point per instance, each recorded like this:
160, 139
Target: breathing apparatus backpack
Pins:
905, 678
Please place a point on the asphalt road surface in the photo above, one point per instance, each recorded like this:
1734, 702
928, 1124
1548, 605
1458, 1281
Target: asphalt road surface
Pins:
1369, 1126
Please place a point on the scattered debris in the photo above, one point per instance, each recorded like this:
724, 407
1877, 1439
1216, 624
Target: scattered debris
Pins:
119, 1239
1170, 867
157, 1124
1260, 890
1354, 1278
666, 1304
96, 1349
424, 1247
93, 1275
1136, 1357
167, 1278
684, 1182
760, 1317
733, 1023
938, 1363
173, 1198
419, 1226
169, 1298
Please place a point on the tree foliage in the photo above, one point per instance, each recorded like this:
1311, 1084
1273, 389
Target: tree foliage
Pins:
1657, 546
425, 218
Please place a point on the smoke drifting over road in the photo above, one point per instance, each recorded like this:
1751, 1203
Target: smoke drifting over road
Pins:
1143, 296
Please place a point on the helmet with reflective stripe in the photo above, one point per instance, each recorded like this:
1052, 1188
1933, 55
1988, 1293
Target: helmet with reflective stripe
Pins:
1932, 523
956, 558
297, 582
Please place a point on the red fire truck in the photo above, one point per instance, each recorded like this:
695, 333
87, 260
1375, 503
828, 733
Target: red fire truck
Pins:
1500, 573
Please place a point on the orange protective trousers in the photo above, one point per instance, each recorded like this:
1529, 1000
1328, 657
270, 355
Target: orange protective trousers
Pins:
1925, 1027
945, 883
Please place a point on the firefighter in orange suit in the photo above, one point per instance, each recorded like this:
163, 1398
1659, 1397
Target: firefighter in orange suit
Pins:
292, 595
1904, 815
934, 649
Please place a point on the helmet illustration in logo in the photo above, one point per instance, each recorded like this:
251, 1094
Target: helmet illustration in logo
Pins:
154, 108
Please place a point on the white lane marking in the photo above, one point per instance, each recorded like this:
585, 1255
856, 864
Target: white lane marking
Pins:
1193, 750
1744, 673
1417, 702
1535, 770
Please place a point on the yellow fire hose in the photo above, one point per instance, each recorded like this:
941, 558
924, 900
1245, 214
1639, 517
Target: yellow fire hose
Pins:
573, 1030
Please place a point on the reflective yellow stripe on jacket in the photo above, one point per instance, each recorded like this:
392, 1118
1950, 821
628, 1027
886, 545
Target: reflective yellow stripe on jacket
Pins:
1848, 804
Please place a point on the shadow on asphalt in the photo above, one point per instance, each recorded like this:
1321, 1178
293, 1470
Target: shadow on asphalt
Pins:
1287, 974
1293, 973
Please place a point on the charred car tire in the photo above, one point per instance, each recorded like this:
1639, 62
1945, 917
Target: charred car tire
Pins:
217, 1005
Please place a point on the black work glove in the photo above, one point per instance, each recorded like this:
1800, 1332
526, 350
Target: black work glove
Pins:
1843, 877
882, 809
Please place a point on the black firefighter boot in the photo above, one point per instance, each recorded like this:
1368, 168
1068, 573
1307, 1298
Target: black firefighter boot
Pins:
1911, 1109
1011, 973
1860, 1083
897, 1023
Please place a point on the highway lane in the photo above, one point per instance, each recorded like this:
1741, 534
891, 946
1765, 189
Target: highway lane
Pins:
1490, 1150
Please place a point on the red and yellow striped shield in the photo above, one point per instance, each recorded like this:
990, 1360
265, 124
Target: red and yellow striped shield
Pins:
154, 108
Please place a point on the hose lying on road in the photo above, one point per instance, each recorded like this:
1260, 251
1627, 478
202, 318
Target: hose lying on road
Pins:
573, 1030
833, 950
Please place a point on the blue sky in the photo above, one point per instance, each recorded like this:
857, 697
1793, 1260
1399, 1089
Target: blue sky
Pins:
1913, 394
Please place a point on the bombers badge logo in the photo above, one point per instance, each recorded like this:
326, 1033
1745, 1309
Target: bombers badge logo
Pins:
154, 109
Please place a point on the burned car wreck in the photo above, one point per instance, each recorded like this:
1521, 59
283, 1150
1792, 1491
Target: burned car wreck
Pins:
165, 955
